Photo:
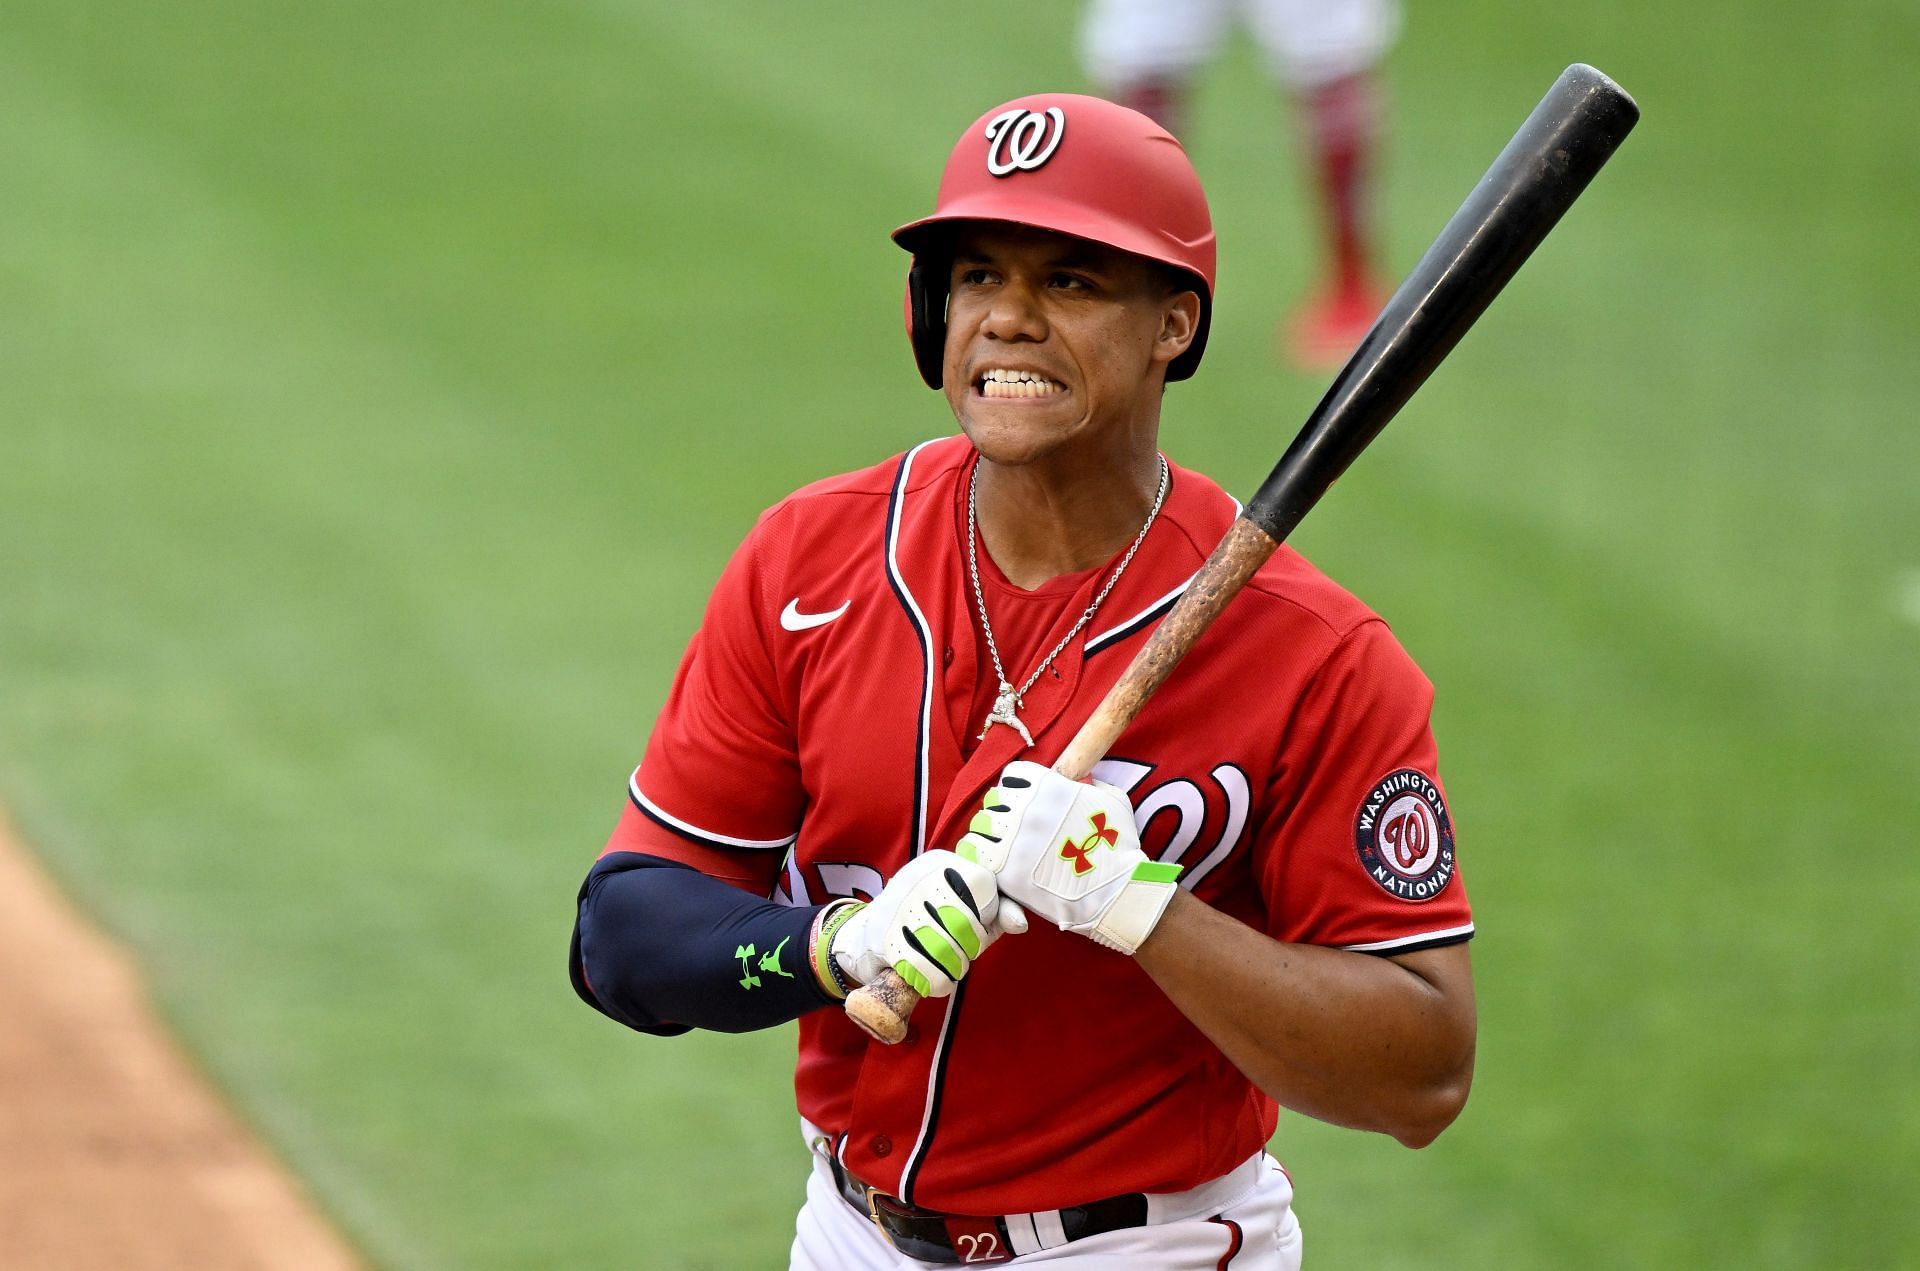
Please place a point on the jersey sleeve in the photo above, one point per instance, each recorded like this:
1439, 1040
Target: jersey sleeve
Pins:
1356, 849
720, 776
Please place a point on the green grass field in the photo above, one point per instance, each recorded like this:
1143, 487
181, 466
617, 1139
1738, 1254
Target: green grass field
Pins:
382, 386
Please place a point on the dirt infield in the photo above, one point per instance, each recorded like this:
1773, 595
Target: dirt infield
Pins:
114, 1153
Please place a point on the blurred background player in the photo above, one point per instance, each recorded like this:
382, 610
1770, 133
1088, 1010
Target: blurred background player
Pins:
1325, 53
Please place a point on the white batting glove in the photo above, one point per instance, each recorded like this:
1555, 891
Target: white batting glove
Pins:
1069, 851
928, 923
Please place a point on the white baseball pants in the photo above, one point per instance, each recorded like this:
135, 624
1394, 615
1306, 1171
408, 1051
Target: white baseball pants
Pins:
1307, 43
831, 1235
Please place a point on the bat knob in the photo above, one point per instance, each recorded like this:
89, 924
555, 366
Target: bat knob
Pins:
881, 1008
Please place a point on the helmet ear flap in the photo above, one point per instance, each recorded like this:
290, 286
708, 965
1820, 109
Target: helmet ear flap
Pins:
927, 318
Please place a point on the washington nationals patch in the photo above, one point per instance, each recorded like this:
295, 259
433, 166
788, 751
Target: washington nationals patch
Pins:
1404, 837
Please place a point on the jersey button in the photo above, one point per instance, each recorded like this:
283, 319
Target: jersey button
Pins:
882, 1145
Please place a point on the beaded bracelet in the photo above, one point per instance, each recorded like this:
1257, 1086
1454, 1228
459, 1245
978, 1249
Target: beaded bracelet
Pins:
826, 969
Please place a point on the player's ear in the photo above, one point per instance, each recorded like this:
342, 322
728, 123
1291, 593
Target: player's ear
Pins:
1179, 320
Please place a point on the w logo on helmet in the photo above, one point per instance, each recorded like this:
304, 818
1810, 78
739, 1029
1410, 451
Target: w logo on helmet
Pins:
1020, 139
1103, 835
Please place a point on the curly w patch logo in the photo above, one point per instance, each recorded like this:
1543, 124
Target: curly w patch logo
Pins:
1102, 835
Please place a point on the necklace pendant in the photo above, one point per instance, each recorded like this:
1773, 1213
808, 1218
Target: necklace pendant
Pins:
1003, 713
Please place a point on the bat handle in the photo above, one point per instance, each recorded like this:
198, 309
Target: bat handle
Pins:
882, 1006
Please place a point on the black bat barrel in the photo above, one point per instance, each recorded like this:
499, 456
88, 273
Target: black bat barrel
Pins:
1563, 143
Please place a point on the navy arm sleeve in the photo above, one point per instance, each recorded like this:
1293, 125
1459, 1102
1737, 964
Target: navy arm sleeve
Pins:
663, 948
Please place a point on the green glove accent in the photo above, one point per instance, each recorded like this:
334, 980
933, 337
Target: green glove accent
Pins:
906, 971
940, 949
938, 913
956, 922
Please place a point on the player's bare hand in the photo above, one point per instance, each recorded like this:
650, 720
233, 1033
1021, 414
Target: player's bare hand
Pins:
928, 923
1069, 851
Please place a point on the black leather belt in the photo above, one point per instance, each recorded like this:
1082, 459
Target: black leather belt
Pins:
932, 1236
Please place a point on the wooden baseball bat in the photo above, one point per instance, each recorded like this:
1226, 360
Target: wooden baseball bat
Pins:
1557, 151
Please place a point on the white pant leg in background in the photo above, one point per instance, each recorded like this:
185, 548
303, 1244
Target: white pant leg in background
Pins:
1307, 43
1128, 42
1313, 42
831, 1235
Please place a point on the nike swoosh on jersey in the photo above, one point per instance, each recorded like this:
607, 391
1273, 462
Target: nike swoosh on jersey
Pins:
793, 620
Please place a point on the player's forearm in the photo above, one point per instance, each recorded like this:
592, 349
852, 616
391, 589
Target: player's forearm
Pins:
662, 948
1361, 1041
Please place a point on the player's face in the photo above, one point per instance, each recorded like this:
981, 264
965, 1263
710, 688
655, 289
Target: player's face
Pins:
1055, 344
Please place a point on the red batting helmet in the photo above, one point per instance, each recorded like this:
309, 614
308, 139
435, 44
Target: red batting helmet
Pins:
1074, 165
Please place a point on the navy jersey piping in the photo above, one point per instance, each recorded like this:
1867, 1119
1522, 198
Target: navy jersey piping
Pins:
923, 729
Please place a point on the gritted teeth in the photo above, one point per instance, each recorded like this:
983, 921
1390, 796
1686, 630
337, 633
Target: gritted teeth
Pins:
999, 382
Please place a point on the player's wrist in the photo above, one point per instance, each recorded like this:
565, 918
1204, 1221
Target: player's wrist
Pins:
1136, 909
826, 968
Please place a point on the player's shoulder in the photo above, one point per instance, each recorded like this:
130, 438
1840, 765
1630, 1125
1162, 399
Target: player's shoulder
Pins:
830, 498
838, 526
1327, 630
1289, 579
1288, 588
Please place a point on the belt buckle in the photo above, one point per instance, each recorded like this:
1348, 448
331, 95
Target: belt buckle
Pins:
878, 1200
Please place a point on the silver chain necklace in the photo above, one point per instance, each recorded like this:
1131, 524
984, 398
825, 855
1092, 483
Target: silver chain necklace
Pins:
1008, 702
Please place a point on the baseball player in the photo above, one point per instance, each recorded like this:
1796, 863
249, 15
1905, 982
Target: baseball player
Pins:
1257, 902
1326, 54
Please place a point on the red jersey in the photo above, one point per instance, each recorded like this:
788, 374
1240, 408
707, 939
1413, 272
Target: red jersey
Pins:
818, 735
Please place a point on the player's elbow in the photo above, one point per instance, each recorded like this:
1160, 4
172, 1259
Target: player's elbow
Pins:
1431, 1116
1438, 1075
1435, 1104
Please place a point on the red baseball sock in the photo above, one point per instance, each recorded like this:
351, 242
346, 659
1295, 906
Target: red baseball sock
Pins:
1157, 99
1343, 121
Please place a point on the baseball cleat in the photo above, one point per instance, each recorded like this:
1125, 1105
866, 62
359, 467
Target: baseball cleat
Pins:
1324, 332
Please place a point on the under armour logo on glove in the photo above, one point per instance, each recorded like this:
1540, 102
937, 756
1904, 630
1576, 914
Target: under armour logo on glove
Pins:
1019, 139
1103, 835
1092, 879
